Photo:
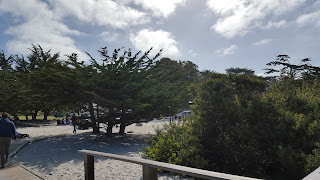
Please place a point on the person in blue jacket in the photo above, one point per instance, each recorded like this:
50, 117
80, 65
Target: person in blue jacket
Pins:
7, 132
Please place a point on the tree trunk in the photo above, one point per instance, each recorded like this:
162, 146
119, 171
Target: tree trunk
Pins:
109, 128
93, 119
34, 115
122, 128
98, 123
97, 110
45, 115
16, 117
27, 117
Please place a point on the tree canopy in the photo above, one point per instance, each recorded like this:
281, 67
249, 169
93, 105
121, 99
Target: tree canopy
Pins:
132, 86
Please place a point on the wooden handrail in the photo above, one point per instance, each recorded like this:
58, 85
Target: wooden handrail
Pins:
150, 167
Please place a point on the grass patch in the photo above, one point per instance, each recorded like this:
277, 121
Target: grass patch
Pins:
39, 117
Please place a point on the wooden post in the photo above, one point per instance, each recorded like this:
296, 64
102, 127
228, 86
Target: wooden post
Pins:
88, 167
149, 173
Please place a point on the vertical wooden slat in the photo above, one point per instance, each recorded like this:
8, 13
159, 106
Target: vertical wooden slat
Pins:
88, 167
149, 173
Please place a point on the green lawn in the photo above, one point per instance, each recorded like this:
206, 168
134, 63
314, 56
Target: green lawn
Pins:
39, 117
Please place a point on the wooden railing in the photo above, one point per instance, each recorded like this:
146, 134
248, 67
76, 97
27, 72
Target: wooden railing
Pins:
149, 167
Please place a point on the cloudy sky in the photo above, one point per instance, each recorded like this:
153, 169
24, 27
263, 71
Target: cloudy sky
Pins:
214, 34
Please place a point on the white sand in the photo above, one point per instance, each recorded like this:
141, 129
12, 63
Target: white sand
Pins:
45, 131
56, 157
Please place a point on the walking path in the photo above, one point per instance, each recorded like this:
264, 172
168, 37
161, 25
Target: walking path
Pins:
15, 171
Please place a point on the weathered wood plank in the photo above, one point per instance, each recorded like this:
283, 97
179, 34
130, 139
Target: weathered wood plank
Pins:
89, 167
149, 173
169, 167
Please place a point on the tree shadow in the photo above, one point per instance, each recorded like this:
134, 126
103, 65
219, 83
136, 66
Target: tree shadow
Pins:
52, 152
33, 123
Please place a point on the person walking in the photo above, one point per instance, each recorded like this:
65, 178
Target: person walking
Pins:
74, 122
7, 132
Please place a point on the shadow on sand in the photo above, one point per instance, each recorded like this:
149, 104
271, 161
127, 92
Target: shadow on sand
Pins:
34, 123
50, 153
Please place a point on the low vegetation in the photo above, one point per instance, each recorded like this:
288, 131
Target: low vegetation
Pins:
248, 126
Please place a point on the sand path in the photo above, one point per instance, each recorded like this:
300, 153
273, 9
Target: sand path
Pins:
56, 156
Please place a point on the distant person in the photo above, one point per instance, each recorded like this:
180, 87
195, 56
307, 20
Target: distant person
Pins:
7, 132
62, 122
74, 122
68, 121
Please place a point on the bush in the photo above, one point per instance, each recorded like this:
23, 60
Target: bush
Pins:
241, 128
175, 144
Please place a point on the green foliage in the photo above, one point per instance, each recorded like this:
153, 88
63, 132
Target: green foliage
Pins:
299, 113
240, 71
242, 127
287, 70
176, 144
166, 87
6, 63
313, 161
228, 107
10, 89
122, 80
117, 82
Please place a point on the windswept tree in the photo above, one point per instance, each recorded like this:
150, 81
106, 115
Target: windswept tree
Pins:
44, 82
40, 80
240, 71
119, 80
22, 65
6, 62
9, 86
135, 87
286, 69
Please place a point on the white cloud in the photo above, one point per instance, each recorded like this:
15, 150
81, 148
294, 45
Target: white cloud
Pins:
49, 34
227, 51
38, 25
262, 75
262, 42
146, 38
108, 36
192, 53
19, 8
272, 24
161, 8
101, 12
310, 18
238, 17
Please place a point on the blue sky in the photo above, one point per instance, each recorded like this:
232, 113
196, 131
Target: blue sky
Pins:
214, 34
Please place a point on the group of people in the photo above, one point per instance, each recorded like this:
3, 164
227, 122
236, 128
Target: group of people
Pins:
7, 132
61, 121
73, 120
